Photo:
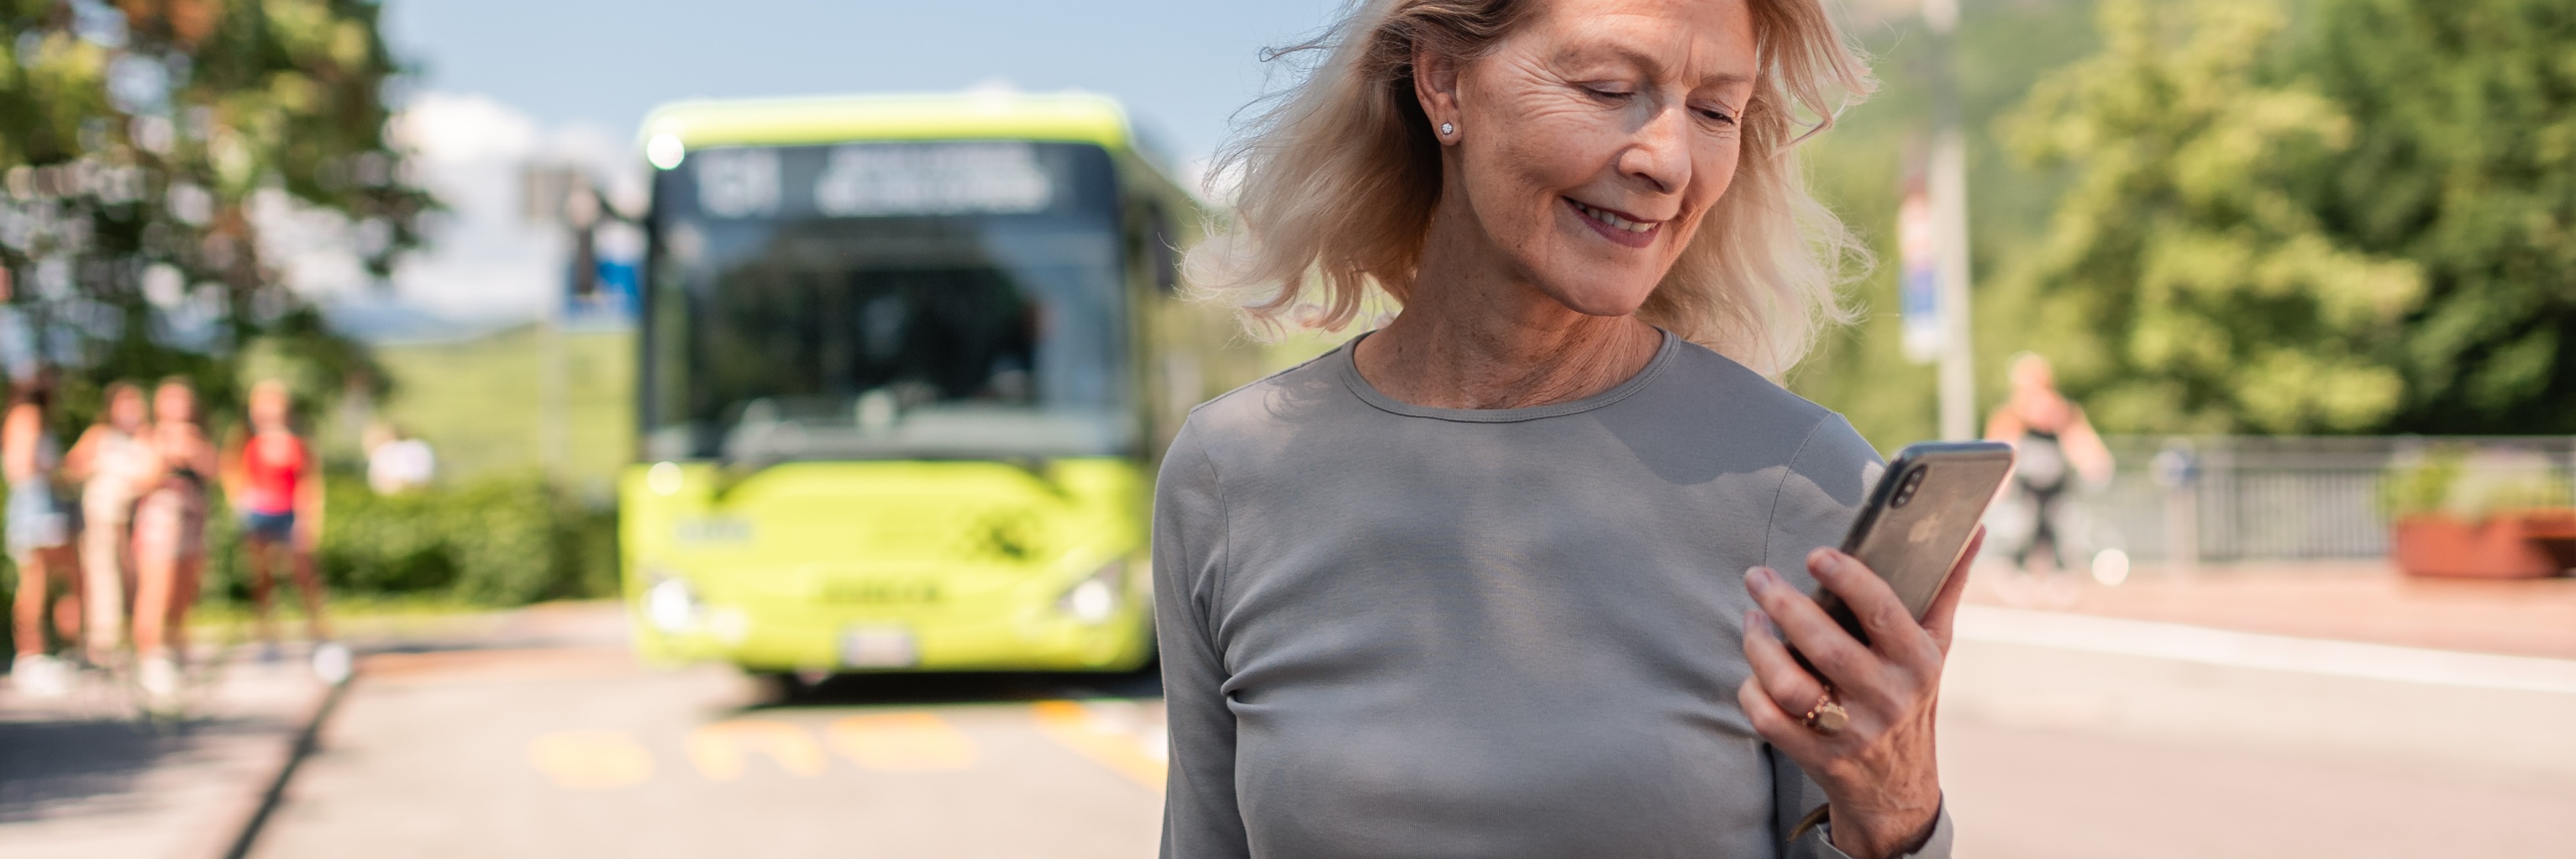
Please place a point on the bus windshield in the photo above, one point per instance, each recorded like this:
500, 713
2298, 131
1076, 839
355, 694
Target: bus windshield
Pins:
886, 301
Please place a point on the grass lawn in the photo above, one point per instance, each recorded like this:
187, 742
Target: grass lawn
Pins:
480, 403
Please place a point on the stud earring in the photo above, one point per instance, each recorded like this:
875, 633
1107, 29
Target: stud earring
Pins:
1447, 129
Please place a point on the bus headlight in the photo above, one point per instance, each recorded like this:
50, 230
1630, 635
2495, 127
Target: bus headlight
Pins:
671, 605
1095, 598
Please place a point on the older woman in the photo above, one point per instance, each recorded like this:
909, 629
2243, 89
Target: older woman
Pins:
1501, 577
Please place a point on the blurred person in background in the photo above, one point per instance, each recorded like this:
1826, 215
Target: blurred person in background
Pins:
275, 484
113, 460
18, 346
2054, 447
170, 537
41, 530
1510, 575
396, 462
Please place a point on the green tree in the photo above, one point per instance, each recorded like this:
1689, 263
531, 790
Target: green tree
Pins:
139, 140
2464, 162
2186, 283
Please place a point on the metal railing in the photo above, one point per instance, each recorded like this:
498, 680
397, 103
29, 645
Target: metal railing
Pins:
2241, 498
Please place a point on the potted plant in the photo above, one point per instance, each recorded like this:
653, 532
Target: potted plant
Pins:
2496, 514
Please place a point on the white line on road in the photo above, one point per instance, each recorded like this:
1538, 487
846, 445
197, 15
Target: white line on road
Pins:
2272, 652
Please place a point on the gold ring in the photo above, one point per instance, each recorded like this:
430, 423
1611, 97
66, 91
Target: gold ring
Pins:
1828, 716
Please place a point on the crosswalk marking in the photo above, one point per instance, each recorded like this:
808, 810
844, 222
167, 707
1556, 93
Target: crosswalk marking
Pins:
1122, 736
718, 749
902, 742
1125, 751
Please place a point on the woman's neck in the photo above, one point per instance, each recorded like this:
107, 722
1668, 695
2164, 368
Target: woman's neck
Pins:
1476, 335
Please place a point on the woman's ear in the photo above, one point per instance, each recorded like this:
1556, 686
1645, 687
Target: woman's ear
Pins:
1435, 84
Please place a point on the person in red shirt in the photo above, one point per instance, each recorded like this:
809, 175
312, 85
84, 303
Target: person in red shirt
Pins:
275, 484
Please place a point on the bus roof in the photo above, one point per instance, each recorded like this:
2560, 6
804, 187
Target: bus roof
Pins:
1068, 117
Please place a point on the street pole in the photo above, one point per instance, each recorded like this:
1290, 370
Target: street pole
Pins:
1948, 189
554, 443
561, 198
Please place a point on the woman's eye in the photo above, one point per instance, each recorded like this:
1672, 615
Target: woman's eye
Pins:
1607, 93
1717, 116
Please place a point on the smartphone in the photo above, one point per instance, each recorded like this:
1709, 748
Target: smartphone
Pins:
1918, 519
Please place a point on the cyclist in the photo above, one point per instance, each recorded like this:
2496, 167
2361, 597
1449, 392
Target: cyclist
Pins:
2053, 445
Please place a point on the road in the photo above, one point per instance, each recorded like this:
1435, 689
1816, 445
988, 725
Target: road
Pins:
2083, 747
575, 752
2075, 743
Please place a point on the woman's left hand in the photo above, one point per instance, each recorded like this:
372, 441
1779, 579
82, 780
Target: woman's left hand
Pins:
1878, 771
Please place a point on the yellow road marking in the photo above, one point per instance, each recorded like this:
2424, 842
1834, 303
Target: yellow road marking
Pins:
902, 742
591, 760
718, 749
1073, 725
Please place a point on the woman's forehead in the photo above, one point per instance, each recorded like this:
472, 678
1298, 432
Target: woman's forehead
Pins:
1703, 42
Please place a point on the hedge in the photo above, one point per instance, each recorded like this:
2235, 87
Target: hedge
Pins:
497, 541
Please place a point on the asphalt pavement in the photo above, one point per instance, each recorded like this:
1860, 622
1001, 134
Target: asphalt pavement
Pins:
2063, 736
579, 752
2075, 736
85, 776
2174, 717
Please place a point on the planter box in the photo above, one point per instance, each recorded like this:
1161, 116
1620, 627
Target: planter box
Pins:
2534, 545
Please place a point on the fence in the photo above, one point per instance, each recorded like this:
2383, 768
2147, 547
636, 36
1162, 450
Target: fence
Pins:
2237, 498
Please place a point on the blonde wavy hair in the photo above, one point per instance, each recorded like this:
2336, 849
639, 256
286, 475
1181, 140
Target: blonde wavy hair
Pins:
1336, 179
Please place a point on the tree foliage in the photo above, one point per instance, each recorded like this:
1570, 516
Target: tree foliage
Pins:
143, 144
2185, 285
2357, 222
2464, 163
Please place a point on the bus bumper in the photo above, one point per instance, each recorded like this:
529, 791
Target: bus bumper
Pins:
890, 566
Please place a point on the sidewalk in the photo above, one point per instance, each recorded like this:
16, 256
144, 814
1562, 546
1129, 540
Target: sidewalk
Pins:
81, 777
2366, 601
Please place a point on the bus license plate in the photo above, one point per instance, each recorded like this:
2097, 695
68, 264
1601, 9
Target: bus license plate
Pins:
878, 648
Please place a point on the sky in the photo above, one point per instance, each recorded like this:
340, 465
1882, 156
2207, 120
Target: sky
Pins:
502, 83
1182, 66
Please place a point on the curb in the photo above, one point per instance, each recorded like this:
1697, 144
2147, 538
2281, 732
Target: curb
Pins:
306, 741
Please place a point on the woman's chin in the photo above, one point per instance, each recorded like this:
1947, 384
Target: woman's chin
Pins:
1601, 302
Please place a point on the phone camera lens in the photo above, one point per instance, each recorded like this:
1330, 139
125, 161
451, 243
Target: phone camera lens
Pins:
1913, 480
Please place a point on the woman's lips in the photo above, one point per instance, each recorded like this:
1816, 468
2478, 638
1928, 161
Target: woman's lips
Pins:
1616, 226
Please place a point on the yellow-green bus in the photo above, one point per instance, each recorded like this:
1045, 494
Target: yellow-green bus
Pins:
908, 364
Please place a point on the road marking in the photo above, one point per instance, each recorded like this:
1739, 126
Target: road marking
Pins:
718, 749
2271, 652
544, 664
1078, 728
902, 742
591, 760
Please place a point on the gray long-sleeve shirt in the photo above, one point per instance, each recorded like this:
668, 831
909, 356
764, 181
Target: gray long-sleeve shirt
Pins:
1398, 631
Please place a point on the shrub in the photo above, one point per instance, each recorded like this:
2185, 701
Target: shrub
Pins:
2470, 483
497, 541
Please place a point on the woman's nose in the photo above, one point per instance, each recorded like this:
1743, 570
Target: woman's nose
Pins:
1660, 151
